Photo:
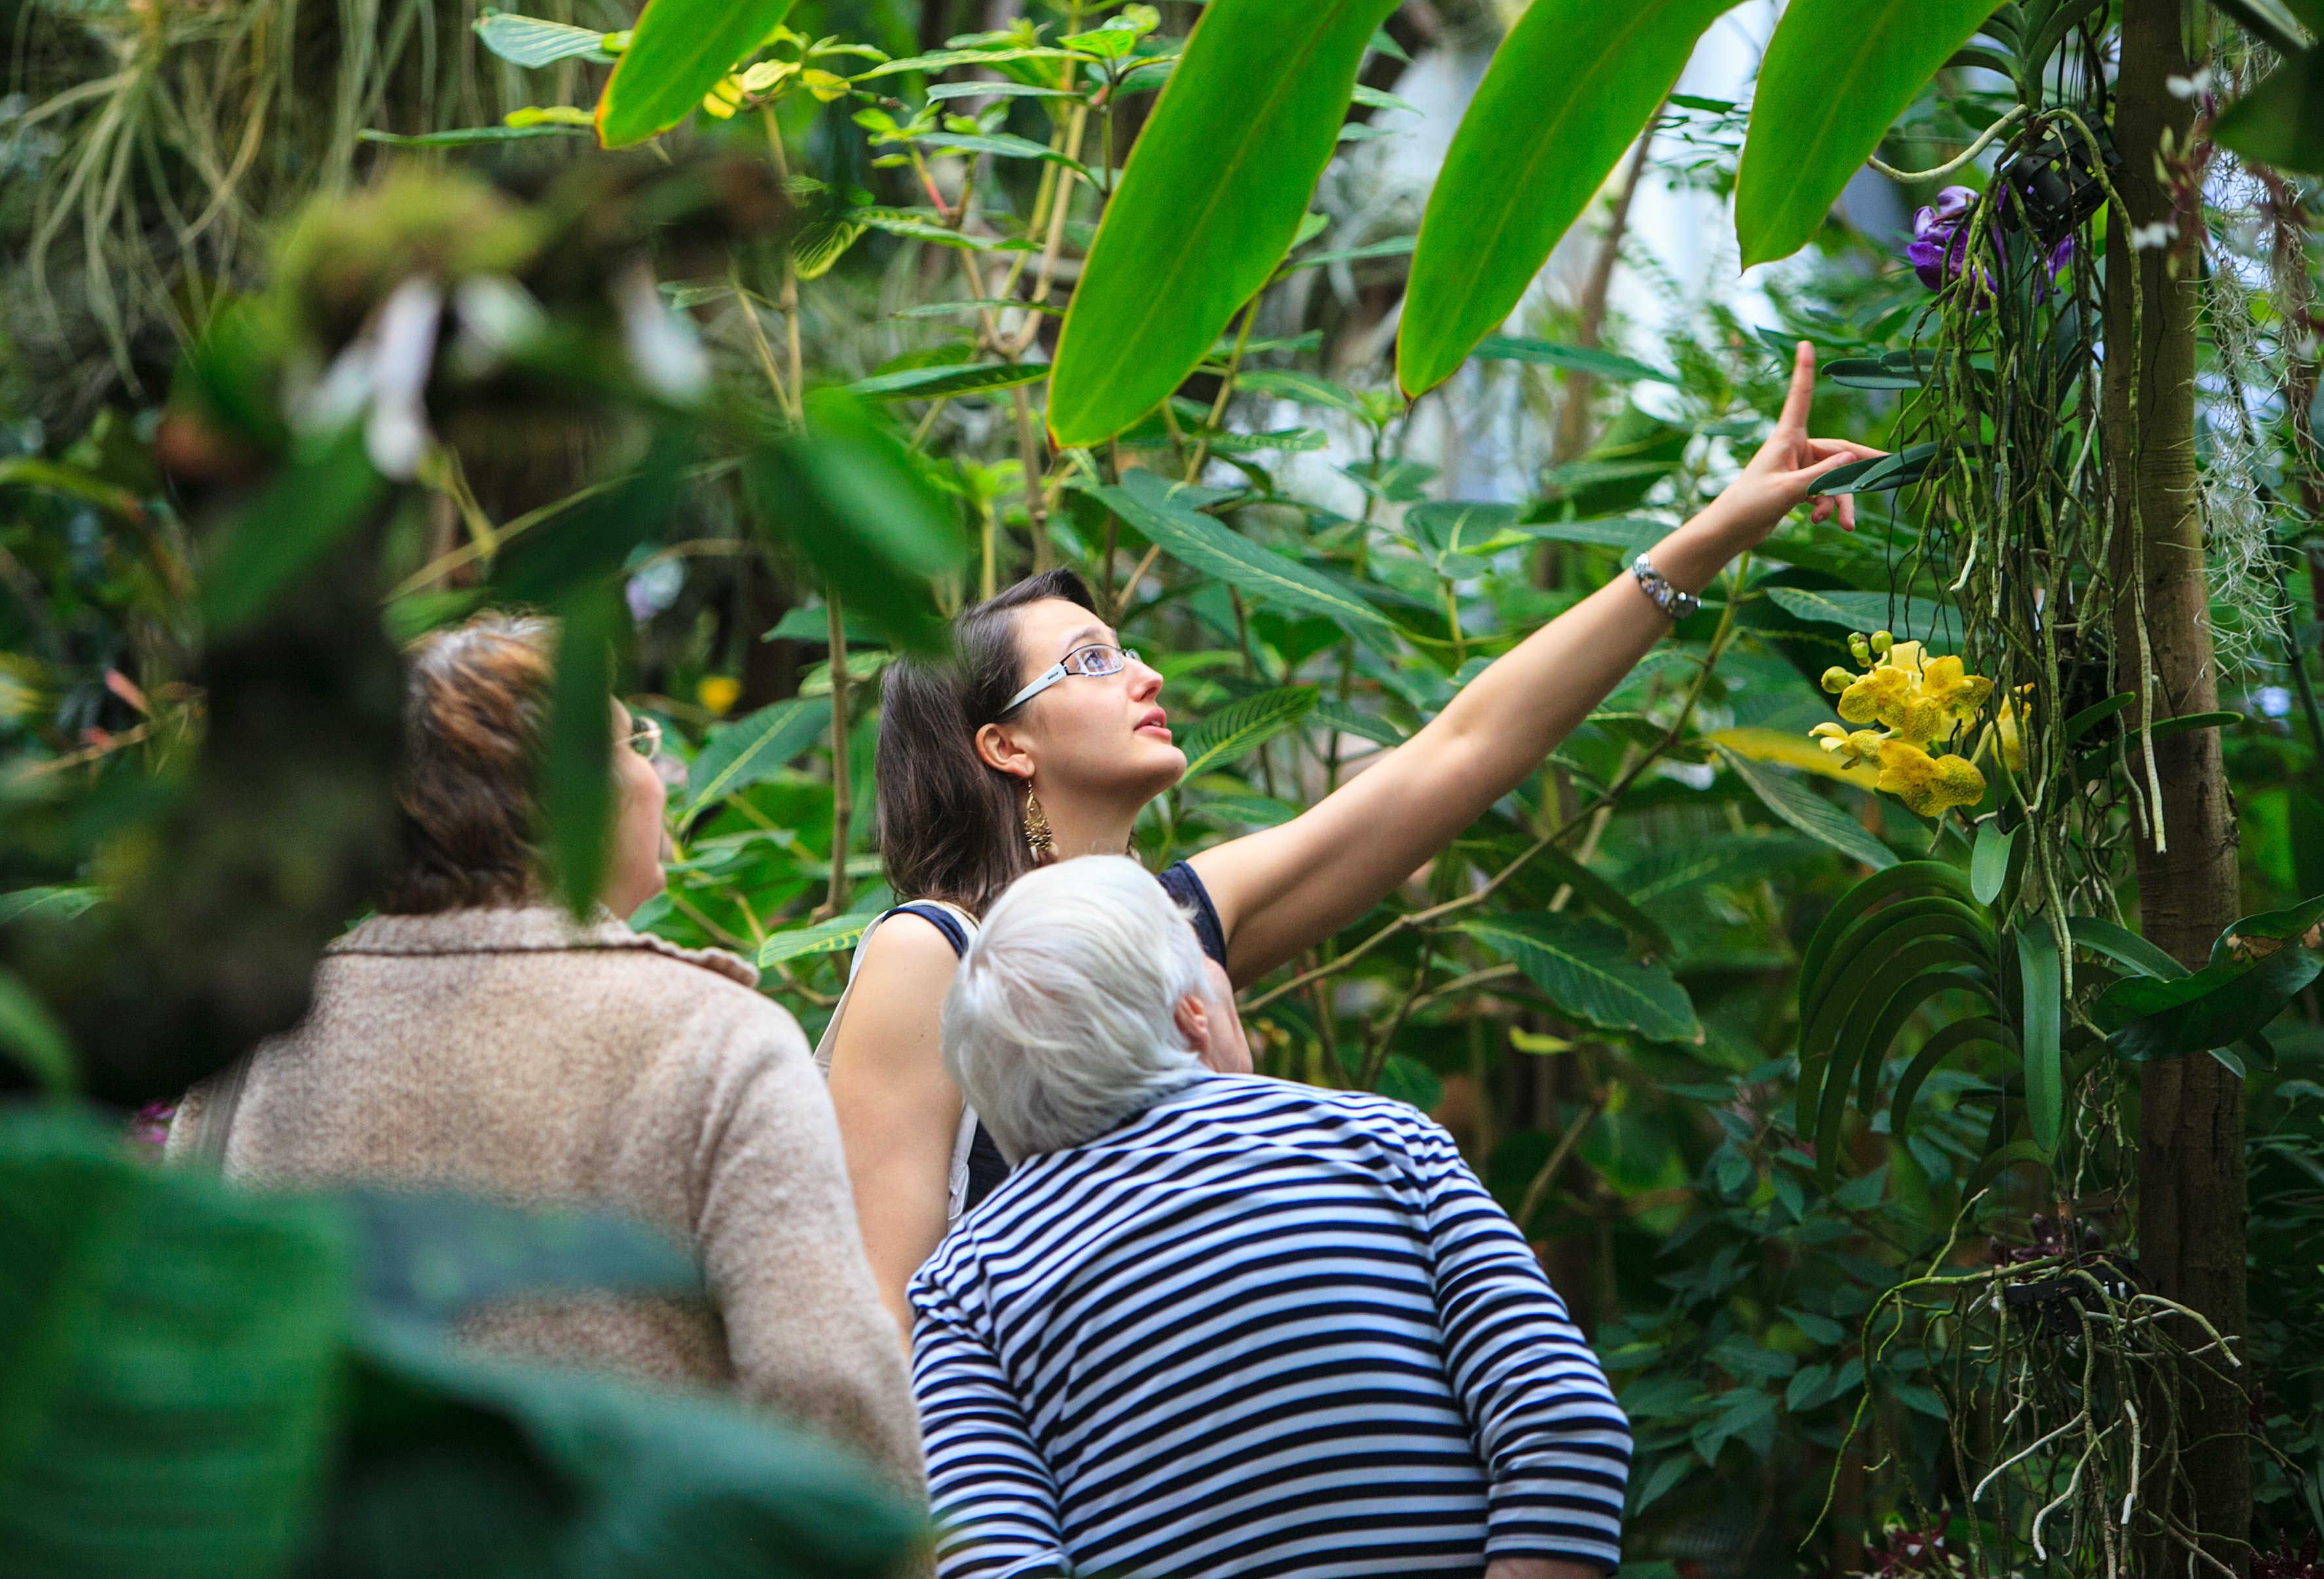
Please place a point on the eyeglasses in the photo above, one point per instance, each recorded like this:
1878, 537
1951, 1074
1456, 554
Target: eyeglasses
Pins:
645, 739
1094, 661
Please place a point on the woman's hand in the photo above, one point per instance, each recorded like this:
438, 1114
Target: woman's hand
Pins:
1778, 478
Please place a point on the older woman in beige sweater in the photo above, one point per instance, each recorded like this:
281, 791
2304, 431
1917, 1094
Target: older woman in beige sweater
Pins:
473, 1036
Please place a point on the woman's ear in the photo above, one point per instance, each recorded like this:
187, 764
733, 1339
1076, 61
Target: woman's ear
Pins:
997, 749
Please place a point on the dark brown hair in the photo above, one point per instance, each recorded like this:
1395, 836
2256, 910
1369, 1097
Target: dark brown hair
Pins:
951, 825
475, 702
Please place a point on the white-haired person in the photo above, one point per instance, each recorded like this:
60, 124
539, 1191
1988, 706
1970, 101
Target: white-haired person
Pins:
1216, 1325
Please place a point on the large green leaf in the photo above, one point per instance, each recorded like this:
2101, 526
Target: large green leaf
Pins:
677, 52
1582, 967
1609, 365
169, 1360
750, 750
1158, 511
578, 774
2280, 121
848, 496
1916, 618
1242, 726
2125, 947
1835, 77
1808, 812
1568, 91
1212, 199
2040, 1026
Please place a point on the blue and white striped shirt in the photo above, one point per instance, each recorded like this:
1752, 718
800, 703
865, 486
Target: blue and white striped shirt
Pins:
1258, 1329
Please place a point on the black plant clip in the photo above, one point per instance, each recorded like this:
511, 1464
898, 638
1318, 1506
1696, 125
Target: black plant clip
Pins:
2059, 183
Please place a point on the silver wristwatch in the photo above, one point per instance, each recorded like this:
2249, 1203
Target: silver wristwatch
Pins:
1676, 606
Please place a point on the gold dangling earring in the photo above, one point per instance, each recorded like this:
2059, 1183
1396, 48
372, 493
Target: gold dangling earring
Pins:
1038, 841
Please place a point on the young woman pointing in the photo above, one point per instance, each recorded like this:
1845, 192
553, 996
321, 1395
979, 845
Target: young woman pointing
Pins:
1046, 739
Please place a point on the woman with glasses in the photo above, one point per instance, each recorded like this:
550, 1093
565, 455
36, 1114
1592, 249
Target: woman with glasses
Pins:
1045, 738
473, 1036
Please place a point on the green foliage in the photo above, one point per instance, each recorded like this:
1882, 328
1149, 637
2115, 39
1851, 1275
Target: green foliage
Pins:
675, 56
1837, 75
1566, 93
1253, 117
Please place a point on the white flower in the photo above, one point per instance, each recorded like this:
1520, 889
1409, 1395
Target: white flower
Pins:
2193, 86
396, 436
2144, 238
663, 347
497, 317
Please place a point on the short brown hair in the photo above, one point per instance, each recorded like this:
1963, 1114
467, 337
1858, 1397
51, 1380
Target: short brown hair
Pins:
469, 813
952, 825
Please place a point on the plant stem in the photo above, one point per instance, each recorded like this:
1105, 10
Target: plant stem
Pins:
842, 800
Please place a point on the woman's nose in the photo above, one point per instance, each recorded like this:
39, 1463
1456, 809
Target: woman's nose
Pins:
1144, 684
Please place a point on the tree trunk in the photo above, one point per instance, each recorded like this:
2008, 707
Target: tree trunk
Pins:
2191, 1218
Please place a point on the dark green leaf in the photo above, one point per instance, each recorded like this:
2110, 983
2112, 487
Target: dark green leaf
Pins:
2273, 22
1810, 813
1877, 475
1242, 726
309, 506
1584, 969
2280, 121
576, 771
1409, 1081
1607, 900
1915, 618
2124, 948
48, 904
1347, 720
1158, 511
1867, 373
1611, 366
925, 383
468, 136
2090, 717
751, 750
173, 1358
2038, 969
1394, 247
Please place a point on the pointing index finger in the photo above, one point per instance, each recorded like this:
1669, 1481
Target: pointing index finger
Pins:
1803, 390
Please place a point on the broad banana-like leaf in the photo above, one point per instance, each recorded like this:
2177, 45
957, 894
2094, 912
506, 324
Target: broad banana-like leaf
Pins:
1568, 91
1210, 200
678, 51
1586, 971
2280, 121
1837, 75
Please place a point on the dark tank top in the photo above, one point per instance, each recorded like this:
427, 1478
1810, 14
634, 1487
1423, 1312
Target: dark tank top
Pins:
986, 1166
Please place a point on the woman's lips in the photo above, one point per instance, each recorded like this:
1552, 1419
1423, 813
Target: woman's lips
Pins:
1156, 723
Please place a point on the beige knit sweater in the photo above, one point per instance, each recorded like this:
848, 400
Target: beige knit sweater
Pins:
513, 1053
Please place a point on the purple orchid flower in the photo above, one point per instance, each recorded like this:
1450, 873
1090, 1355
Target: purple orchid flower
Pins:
1939, 250
1940, 245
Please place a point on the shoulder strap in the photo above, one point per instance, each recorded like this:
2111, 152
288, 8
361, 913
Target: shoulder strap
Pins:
221, 1095
956, 925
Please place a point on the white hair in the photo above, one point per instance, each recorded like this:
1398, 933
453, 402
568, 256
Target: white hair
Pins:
1062, 1020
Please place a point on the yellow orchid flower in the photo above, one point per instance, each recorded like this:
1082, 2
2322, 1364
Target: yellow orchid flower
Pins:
1928, 786
1877, 696
1962, 695
1850, 745
2006, 730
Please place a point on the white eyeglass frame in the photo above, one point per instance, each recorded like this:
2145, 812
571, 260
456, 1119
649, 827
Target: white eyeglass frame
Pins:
1060, 670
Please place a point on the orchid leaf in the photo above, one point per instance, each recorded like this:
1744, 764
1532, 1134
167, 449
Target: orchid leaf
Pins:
677, 54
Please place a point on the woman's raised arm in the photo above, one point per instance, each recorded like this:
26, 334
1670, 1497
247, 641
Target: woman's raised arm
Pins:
1287, 888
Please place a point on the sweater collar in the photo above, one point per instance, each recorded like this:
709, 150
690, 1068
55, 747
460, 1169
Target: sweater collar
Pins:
524, 930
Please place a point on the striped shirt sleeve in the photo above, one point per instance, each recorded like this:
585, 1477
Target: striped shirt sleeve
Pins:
995, 1501
1555, 1444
